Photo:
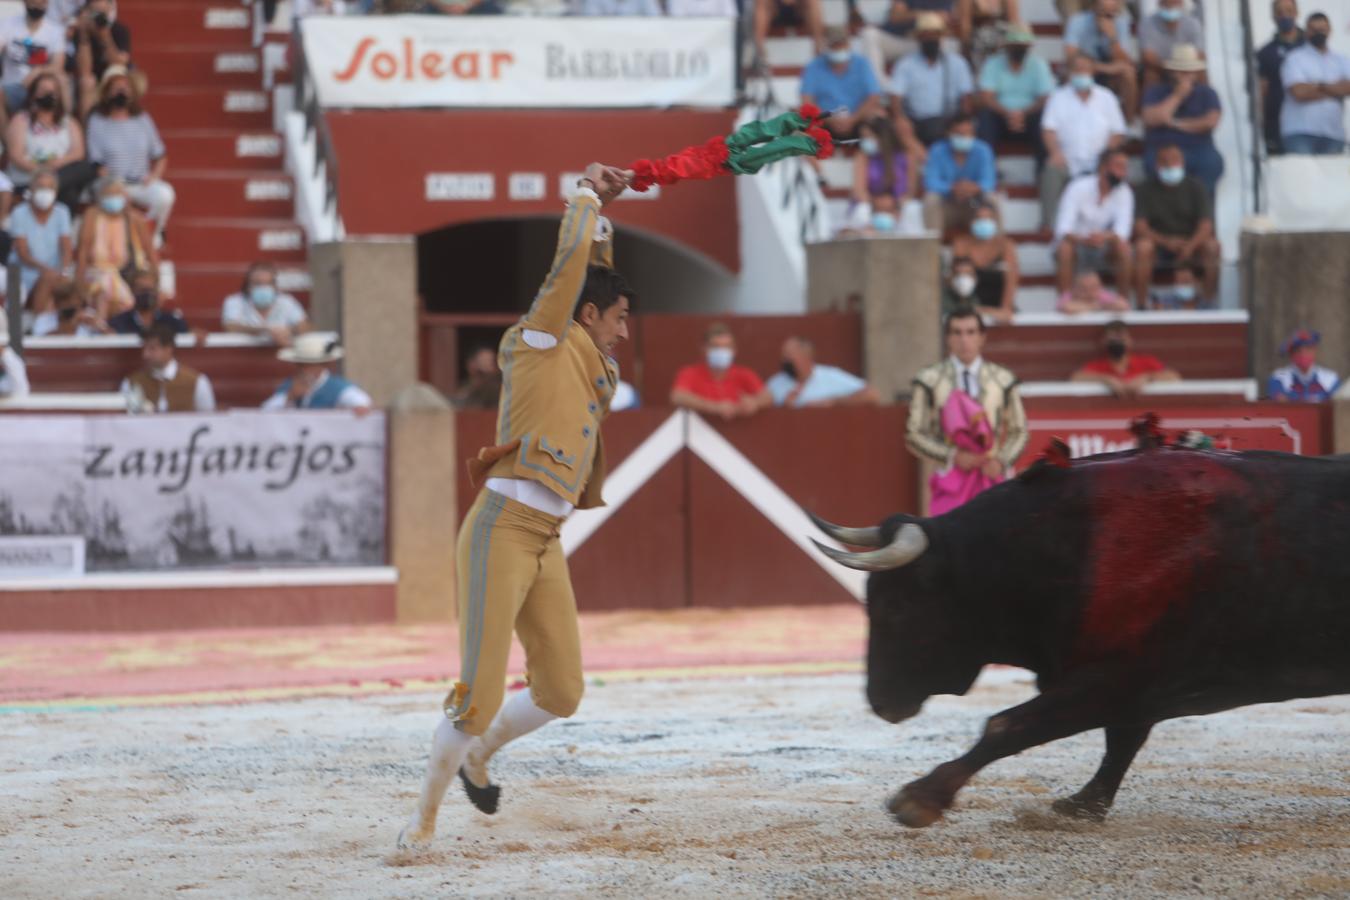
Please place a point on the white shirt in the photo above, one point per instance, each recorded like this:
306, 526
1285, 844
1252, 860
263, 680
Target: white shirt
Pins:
1084, 127
47, 323
532, 494
1321, 117
203, 398
974, 370
14, 377
1083, 211
704, 8
20, 44
285, 311
352, 397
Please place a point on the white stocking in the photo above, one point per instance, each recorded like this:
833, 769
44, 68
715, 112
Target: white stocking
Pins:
517, 718
447, 752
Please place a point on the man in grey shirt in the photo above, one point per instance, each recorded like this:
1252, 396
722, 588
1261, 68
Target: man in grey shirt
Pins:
1159, 33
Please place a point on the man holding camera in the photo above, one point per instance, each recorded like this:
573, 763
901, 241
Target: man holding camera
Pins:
100, 41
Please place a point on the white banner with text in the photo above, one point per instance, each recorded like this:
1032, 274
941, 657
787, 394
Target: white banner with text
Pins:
440, 61
198, 491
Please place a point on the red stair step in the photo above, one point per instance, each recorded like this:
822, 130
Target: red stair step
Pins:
210, 107
224, 193
218, 148
167, 24
235, 241
179, 65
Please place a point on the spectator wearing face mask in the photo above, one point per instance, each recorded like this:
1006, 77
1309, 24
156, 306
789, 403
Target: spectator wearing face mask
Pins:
124, 141
41, 231
882, 166
958, 291
483, 388
1184, 112
162, 384
1088, 294
1120, 368
1316, 83
1182, 293
930, 86
1015, 84
1096, 217
260, 309
879, 216
32, 45
993, 255
717, 386
801, 381
1288, 38
147, 313
841, 82
1174, 226
1161, 33
43, 136
114, 239
1303, 380
1102, 35
100, 41
959, 177
13, 372
1082, 119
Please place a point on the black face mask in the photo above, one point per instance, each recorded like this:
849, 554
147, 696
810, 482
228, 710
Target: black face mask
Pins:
119, 100
101, 19
930, 48
1017, 54
69, 312
1113, 180
146, 300
46, 101
789, 369
35, 12
1115, 348
1318, 39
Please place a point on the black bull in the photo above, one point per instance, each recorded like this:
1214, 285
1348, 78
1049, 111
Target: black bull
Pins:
1138, 587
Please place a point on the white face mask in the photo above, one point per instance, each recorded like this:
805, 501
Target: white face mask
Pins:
43, 198
720, 358
964, 285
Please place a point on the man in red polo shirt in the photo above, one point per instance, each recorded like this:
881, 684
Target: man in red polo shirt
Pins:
717, 386
1121, 369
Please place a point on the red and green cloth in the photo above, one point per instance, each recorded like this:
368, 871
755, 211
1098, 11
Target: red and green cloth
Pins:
749, 149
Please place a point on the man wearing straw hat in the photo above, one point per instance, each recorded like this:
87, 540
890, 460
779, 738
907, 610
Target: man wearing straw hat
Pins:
314, 386
558, 380
1184, 111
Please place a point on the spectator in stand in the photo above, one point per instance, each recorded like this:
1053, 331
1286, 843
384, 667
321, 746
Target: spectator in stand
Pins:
1120, 368
32, 45
841, 80
958, 178
1182, 293
717, 386
965, 416
41, 231
1184, 112
43, 136
147, 314
1303, 380
1090, 295
804, 382
706, 9
1014, 87
163, 384
260, 309
70, 316
1103, 36
878, 216
958, 291
13, 373
114, 238
1288, 38
125, 143
883, 44
982, 25
313, 386
993, 256
1082, 120
1096, 216
100, 41
882, 166
1316, 83
589, 7
1174, 225
786, 14
1161, 33
930, 86
483, 388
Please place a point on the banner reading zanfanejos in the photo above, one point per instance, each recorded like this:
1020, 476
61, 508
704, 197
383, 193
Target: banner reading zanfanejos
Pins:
410, 61
158, 492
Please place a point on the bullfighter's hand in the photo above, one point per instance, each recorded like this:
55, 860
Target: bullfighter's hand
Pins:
965, 460
992, 467
609, 181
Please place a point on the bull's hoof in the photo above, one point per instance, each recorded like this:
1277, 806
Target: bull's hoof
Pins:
414, 838
912, 812
485, 799
1083, 809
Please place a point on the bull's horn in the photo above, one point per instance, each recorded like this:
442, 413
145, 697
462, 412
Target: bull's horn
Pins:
857, 537
907, 546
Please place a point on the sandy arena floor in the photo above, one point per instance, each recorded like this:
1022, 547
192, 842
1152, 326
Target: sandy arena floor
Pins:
768, 787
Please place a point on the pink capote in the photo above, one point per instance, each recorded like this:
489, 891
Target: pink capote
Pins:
964, 422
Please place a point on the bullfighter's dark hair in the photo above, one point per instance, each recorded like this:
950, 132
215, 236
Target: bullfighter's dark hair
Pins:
962, 312
604, 286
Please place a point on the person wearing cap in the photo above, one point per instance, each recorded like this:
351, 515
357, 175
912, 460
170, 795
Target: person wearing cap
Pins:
841, 82
1159, 34
1184, 111
930, 86
1269, 59
13, 373
1102, 34
1303, 380
314, 386
124, 141
1316, 83
1015, 84
162, 384
31, 45
887, 41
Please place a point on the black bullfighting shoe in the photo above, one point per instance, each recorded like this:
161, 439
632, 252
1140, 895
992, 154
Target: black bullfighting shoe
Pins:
484, 798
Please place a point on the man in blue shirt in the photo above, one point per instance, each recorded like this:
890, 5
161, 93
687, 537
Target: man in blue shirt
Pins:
1288, 38
1316, 83
959, 176
1184, 111
841, 82
1303, 380
930, 85
804, 382
1014, 85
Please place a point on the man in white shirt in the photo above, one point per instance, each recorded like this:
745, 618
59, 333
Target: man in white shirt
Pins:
1096, 216
13, 373
1081, 120
261, 309
31, 43
313, 386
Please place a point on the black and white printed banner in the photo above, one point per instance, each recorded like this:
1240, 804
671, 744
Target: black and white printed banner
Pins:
172, 491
